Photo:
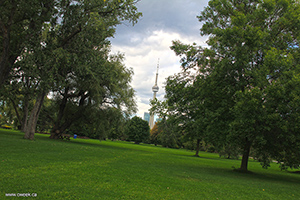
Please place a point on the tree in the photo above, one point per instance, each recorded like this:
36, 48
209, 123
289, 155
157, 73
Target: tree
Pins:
7, 113
253, 45
69, 57
170, 132
101, 86
184, 109
91, 78
137, 130
20, 24
155, 134
47, 116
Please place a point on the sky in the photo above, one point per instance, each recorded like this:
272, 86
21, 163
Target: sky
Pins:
150, 39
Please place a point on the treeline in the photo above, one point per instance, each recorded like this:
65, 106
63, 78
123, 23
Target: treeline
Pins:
178, 138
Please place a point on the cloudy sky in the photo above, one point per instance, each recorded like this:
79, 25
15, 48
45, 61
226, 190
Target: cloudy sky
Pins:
150, 39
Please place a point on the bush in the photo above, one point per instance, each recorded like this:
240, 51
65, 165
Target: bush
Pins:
6, 127
211, 149
229, 152
191, 145
137, 130
155, 135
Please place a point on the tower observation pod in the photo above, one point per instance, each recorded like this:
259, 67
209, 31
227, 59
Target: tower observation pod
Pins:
155, 89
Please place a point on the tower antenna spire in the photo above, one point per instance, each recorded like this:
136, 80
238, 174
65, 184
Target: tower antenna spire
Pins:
155, 89
157, 72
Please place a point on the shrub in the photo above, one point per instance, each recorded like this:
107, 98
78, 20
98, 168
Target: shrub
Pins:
230, 152
137, 130
154, 135
6, 127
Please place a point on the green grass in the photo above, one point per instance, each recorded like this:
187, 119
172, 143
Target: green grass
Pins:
90, 169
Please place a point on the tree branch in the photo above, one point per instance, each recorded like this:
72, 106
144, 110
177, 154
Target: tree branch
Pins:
67, 39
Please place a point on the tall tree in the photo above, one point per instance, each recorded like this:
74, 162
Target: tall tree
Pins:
137, 130
186, 102
69, 54
98, 87
155, 134
90, 77
239, 70
20, 23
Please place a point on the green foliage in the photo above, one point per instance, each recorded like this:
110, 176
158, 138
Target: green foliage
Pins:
137, 130
21, 24
230, 152
242, 81
170, 134
47, 115
100, 124
92, 80
190, 145
7, 114
68, 56
155, 135
100, 99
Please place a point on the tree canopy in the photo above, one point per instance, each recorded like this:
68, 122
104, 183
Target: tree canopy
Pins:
69, 59
244, 85
137, 130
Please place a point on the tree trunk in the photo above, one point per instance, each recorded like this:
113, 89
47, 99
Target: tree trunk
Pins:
17, 112
59, 127
197, 147
25, 113
245, 158
31, 124
55, 134
4, 64
58, 130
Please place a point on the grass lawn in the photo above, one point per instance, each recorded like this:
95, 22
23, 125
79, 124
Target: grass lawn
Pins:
90, 169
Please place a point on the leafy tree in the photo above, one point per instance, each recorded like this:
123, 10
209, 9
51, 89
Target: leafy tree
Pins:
7, 113
20, 24
170, 134
254, 48
103, 87
47, 116
70, 58
90, 77
100, 124
183, 106
137, 130
155, 135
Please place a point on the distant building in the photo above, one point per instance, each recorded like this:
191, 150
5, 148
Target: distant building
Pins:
146, 117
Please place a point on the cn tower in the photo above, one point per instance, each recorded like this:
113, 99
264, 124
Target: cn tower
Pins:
155, 89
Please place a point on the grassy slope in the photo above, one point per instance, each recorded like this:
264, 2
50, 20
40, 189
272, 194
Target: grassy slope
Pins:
89, 169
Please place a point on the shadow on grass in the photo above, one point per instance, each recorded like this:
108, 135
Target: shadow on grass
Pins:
285, 177
199, 157
295, 172
277, 177
45, 138
268, 176
94, 143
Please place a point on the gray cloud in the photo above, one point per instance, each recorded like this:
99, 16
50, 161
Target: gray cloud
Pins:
163, 21
169, 15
